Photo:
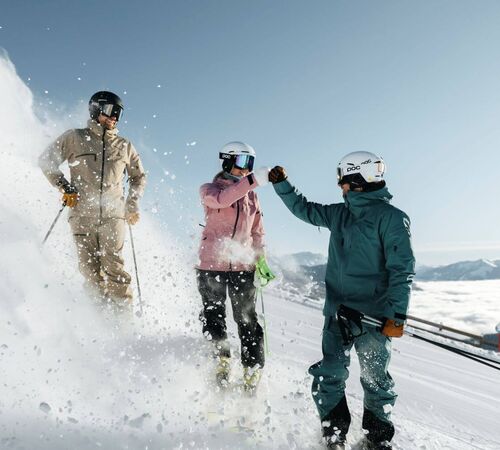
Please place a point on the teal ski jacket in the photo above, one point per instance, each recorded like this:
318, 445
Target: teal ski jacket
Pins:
370, 258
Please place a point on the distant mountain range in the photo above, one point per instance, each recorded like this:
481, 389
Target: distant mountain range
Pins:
482, 269
304, 273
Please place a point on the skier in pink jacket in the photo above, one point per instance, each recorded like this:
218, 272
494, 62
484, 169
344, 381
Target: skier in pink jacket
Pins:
231, 243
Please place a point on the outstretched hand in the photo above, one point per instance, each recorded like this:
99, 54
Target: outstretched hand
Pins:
277, 174
261, 175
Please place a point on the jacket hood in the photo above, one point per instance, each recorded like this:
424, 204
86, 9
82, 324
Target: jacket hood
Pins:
357, 202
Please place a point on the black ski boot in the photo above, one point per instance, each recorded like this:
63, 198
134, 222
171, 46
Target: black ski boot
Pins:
336, 425
380, 432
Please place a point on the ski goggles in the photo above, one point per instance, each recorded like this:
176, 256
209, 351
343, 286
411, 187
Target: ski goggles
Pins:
239, 161
111, 110
339, 175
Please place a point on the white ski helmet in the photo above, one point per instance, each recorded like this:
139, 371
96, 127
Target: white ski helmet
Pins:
360, 168
237, 154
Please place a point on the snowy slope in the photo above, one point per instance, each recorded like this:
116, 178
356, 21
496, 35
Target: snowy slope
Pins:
73, 378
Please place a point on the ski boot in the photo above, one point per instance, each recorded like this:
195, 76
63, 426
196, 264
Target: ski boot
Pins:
251, 378
222, 372
370, 445
334, 442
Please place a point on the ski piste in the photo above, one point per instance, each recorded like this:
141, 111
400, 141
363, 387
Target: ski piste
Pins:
233, 408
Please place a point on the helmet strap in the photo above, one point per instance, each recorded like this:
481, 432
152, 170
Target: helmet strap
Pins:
227, 165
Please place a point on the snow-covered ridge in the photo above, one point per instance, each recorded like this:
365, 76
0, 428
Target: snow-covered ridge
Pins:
295, 267
481, 269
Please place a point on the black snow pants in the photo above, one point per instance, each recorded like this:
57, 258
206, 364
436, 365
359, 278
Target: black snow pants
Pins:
213, 286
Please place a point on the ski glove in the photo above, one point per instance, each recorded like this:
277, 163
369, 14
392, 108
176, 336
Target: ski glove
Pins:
70, 200
261, 175
393, 328
277, 174
70, 194
263, 274
132, 217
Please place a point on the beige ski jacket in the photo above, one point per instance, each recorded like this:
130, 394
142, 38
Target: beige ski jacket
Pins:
98, 163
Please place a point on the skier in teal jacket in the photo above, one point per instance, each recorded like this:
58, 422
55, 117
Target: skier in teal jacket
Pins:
368, 283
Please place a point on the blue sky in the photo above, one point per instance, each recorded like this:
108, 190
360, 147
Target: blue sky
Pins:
304, 83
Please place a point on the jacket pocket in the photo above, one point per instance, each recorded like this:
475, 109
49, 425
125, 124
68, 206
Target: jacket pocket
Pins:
87, 154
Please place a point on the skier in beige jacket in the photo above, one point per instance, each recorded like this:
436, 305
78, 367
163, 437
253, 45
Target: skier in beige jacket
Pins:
98, 159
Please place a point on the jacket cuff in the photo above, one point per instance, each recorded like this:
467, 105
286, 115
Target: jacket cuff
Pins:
283, 187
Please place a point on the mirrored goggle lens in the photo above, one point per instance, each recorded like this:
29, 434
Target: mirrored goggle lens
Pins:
244, 162
111, 110
339, 174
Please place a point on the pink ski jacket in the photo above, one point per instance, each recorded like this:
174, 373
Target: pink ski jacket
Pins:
233, 237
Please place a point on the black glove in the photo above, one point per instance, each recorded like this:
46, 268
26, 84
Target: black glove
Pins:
66, 187
277, 174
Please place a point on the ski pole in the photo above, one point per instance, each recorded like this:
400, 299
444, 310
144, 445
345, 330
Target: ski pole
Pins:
264, 275
53, 223
442, 327
409, 331
136, 271
266, 342
494, 364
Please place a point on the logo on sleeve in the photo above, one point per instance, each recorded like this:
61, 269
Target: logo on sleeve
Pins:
406, 223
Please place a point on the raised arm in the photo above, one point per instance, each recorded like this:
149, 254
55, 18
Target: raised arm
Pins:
214, 197
310, 212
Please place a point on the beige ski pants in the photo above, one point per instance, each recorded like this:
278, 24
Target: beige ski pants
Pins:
99, 247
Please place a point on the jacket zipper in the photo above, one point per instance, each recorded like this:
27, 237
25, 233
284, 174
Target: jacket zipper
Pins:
346, 242
234, 228
102, 174
237, 217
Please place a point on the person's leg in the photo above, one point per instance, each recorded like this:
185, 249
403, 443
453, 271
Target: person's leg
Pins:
111, 240
212, 286
87, 247
374, 353
330, 375
243, 299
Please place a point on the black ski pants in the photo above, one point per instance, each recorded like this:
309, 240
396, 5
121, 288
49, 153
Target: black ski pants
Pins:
213, 287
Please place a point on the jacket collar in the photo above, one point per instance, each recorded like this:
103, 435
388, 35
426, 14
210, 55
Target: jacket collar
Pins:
98, 129
358, 202
224, 178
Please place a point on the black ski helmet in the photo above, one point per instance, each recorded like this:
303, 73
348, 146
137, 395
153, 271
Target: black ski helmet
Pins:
98, 101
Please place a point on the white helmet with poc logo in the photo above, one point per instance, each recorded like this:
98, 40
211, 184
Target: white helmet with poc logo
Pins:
237, 154
360, 168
